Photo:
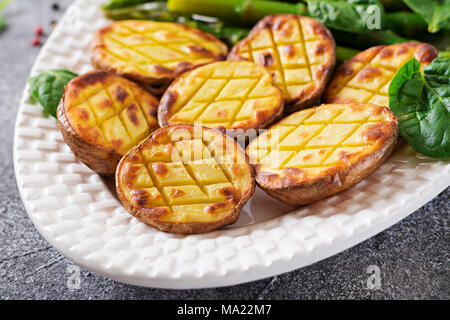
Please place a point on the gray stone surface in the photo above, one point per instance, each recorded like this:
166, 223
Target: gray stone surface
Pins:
413, 255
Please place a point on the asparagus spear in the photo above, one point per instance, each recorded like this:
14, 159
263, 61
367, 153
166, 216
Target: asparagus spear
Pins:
157, 11
117, 4
344, 53
444, 54
231, 35
350, 16
235, 11
3, 4
370, 39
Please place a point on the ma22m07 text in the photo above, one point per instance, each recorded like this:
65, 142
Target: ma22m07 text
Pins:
228, 309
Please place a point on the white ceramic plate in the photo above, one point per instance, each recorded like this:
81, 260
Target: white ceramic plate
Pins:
79, 214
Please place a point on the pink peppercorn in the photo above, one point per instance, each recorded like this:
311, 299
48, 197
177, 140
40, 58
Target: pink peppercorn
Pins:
36, 42
39, 31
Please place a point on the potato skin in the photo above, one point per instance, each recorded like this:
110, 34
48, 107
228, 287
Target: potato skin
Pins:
160, 80
296, 191
182, 228
309, 96
99, 158
150, 217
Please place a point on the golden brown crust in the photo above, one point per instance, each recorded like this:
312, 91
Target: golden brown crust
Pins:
264, 112
100, 159
160, 76
320, 52
157, 217
81, 129
374, 65
151, 217
299, 186
336, 181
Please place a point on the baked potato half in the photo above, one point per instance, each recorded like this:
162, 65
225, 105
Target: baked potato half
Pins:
102, 115
299, 52
153, 53
185, 179
366, 77
229, 95
318, 152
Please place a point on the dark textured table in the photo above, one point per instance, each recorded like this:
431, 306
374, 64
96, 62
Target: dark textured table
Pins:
413, 255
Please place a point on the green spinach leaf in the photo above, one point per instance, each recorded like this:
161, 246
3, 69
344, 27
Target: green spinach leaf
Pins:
356, 16
48, 88
421, 101
435, 12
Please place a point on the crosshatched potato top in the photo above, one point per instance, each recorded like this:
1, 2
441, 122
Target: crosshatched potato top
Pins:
227, 94
366, 77
109, 111
151, 52
298, 51
184, 178
318, 141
